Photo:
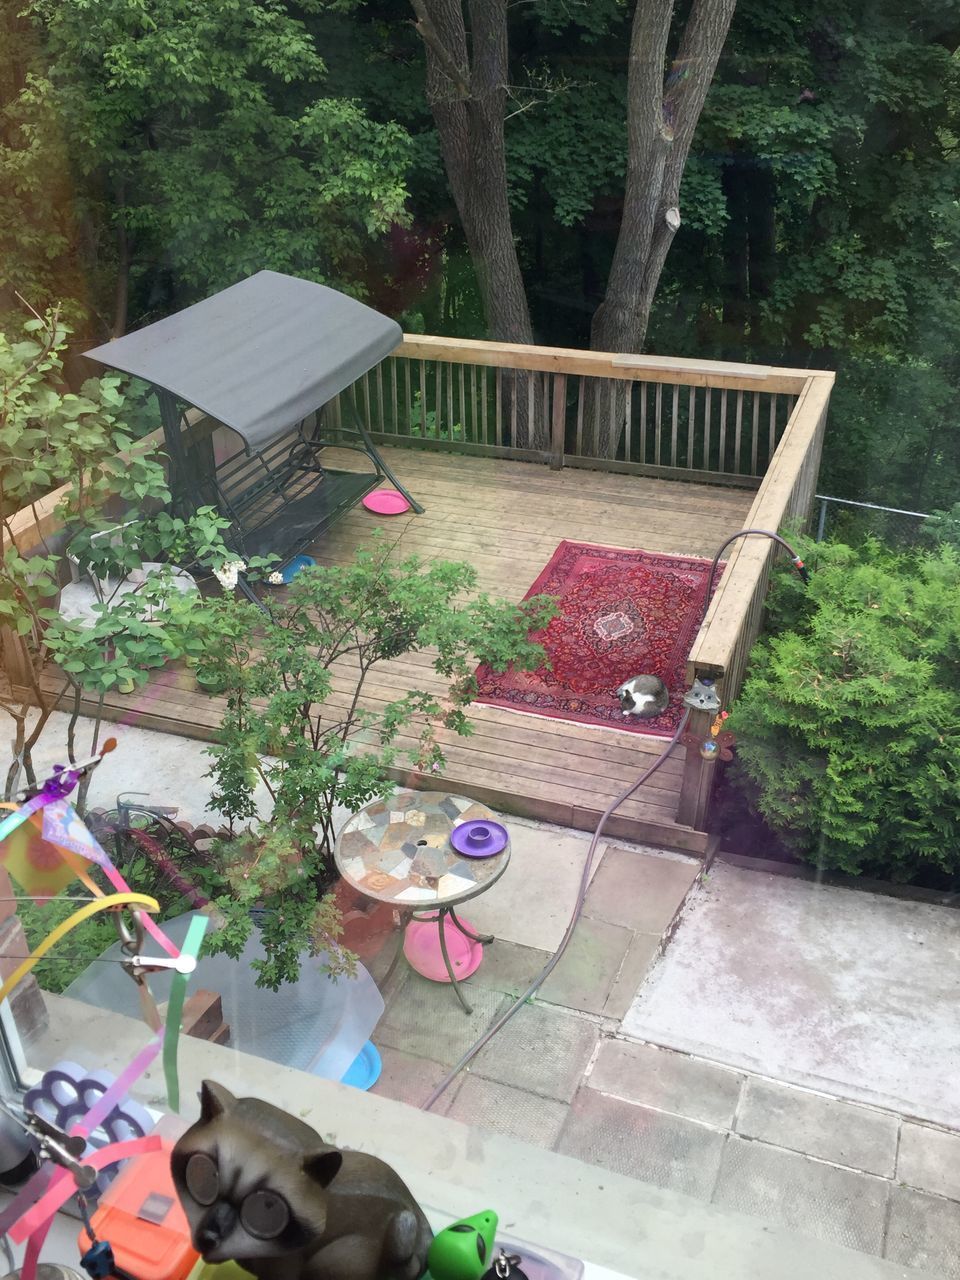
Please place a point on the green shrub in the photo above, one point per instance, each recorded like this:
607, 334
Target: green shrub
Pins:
848, 720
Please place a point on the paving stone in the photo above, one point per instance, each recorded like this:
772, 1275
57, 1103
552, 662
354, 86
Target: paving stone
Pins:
533, 900
508, 967
425, 1018
668, 1081
930, 1159
406, 1078
585, 974
542, 1050
631, 1140
514, 1113
791, 1190
636, 965
823, 1127
924, 1232
639, 890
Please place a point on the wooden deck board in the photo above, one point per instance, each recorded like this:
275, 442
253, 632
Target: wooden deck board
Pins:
507, 518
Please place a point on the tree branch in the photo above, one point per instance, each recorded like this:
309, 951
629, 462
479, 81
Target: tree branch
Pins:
457, 75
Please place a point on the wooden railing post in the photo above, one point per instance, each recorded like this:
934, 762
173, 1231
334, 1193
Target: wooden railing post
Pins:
699, 775
558, 431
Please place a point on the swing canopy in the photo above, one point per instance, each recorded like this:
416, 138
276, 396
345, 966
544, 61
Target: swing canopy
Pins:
260, 356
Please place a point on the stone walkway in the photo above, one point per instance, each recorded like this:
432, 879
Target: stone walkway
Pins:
564, 1075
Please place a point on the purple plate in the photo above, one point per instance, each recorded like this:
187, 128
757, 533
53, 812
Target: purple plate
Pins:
479, 838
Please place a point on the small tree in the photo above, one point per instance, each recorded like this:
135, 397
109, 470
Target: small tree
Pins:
297, 721
53, 439
848, 722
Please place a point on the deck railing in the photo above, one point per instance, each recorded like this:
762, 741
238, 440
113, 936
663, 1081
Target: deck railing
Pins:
685, 419
747, 425
732, 622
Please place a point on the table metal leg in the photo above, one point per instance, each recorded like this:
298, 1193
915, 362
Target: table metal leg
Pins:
404, 921
484, 938
446, 960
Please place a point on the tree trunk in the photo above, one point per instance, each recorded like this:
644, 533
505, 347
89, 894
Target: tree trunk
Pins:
466, 89
661, 119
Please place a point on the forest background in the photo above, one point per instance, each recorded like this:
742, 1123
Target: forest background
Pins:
485, 169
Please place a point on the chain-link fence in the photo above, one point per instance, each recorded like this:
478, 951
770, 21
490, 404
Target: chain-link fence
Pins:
848, 521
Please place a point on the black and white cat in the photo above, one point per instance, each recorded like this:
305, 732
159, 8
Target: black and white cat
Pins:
263, 1189
643, 696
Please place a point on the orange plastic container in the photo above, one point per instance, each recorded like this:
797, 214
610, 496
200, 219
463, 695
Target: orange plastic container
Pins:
140, 1215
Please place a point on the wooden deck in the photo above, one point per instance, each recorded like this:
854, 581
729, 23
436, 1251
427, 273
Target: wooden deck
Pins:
507, 518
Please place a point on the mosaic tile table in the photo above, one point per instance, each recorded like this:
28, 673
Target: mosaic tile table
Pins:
398, 851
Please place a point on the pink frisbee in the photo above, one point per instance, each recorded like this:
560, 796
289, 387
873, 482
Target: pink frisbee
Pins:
421, 946
386, 502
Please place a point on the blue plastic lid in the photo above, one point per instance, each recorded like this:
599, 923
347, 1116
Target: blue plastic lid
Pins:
364, 1071
289, 571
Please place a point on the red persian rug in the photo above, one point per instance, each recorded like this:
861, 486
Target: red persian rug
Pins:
622, 613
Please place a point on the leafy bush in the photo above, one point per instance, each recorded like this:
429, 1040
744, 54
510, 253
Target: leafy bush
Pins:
848, 719
79, 445
942, 527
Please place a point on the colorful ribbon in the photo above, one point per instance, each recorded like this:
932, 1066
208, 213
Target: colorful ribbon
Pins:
19, 816
57, 1194
71, 922
117, 1091
178, 990
34, 1223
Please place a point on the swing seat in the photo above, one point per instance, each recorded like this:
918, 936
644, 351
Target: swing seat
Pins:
267, 359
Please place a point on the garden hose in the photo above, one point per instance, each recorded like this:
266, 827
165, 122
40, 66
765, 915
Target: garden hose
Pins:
614, 805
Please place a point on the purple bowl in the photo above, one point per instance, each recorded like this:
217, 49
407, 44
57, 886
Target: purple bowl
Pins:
479, 838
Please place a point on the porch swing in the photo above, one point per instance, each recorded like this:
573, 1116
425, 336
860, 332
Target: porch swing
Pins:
264, 359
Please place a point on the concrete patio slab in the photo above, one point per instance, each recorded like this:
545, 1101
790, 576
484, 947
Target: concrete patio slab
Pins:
791, 1190
534, 899
585, 974
407, 1078
844, 992
667, 1081
514, 1113
641, 891
509, 967
924, 1233
836, 1131
541, 1050
649, 1145
425, 1019
929, 1159
640, 956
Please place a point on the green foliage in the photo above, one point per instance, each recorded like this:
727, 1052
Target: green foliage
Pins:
89, 940
943, 527
52, 438
296, 720
425, 424
847, 721
201, 149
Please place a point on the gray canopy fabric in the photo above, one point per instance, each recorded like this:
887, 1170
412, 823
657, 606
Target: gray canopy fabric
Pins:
259, 356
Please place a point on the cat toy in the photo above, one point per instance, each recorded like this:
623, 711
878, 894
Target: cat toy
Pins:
68, 847
462, 1251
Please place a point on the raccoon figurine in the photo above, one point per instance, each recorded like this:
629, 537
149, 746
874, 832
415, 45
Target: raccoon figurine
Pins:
643, 696
263, 1189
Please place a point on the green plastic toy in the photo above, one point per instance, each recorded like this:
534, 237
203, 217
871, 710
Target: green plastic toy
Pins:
464, 1250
